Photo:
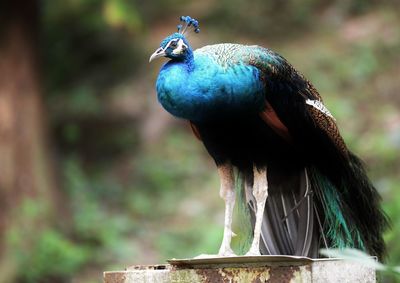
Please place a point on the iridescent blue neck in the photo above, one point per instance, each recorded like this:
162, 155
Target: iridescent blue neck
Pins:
188, 59
197, 89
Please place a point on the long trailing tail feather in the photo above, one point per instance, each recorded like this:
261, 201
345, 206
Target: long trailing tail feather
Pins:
309, 210
336, 223
364, 201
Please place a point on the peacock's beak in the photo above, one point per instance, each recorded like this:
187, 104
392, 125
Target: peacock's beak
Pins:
157, 54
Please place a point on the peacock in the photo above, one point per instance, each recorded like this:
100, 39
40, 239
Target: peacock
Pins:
269, 132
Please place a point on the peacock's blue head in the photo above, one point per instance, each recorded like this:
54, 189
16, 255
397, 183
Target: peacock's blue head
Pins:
175, 46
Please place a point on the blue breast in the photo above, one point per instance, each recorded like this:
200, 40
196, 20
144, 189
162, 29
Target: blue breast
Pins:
209, 90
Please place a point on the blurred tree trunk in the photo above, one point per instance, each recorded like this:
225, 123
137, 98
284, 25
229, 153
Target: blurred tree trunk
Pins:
24, 166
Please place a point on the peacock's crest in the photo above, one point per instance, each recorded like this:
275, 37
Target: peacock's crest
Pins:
176, 46
187, 24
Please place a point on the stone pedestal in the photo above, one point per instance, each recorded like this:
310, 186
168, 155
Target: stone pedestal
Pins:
272, 269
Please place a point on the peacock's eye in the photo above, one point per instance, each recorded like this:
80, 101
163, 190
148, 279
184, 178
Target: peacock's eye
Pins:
173, 44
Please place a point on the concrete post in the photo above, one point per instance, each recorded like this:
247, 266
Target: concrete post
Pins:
272, 269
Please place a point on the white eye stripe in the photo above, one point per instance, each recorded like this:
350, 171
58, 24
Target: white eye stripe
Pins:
169, 43
180, 46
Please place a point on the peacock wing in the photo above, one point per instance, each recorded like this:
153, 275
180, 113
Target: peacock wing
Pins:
293, 105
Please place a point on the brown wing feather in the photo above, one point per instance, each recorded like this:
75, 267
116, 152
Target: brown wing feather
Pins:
281, 72
270, 117
324, 122
328, 125
195, 130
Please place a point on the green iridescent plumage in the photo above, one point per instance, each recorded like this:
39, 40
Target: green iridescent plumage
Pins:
336, 228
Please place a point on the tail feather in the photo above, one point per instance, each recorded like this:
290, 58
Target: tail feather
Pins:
362, 198
337, 216
309, 210
288, 225
351, 208
306, 222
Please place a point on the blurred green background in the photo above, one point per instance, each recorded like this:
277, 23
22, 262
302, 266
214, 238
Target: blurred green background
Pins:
96, 176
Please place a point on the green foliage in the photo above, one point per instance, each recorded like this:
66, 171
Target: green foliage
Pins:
190, 241
93, 225
43, 253
389, 189
122, 13
103, 51
53, 256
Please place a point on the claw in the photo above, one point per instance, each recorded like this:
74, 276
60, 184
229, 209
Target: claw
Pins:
226, 252
253, 253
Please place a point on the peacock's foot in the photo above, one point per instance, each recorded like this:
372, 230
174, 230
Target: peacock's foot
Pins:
226, 251
223, 252
253, 252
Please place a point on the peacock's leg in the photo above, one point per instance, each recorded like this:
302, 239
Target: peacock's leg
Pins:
260, 193
227, 193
